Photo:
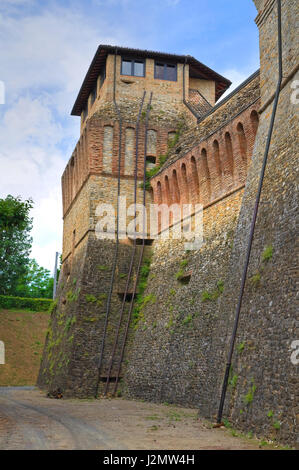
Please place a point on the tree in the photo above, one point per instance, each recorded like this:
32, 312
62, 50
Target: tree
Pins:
15, 241
36, 282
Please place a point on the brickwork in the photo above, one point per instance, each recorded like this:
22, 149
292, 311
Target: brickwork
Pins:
206, 87
214, 167
167, 95
107, 149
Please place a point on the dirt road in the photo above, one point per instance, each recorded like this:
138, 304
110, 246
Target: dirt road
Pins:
30, 420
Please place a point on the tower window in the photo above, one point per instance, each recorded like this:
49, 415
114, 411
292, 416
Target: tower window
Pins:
165, 71
135, 67
150, 162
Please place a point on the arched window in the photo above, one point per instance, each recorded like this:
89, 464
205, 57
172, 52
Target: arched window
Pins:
167, 191
195, 176
171, 138
185, 182
151, 142
216, 156
176, 189
129, 151
151, 194
254, 119
206, 171
229, 153
159, 193
242, 141
107, 149
204, 158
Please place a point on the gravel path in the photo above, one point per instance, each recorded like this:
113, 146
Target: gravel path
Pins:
30, 420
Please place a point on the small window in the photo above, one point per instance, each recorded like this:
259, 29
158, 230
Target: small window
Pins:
165, 71
151, 159
150, 162
134, 67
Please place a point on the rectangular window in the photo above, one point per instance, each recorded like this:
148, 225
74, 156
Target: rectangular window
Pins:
165, 71
134, 67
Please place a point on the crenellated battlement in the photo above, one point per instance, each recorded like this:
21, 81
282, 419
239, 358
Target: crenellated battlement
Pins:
212, 168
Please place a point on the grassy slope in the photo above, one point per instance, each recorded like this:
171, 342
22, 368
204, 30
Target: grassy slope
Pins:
23, 333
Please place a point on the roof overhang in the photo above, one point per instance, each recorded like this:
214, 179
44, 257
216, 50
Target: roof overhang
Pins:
197, 70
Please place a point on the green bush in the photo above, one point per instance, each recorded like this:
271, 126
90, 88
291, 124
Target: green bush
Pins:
36, 305
267, 253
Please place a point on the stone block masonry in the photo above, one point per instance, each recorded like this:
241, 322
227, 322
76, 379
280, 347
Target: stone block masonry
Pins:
74, 337
176, 348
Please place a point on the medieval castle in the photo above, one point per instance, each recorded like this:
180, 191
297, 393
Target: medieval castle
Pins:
143, 317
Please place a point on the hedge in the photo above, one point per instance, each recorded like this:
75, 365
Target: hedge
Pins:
36, 305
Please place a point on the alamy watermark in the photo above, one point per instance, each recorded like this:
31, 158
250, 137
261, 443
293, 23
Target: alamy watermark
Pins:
157, 221
295, 94
2, 353
2, 92
295, 353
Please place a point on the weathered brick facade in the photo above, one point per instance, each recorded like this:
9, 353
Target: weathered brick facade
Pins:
176, 350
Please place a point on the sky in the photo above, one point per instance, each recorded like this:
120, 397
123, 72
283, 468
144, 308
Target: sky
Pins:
46, 47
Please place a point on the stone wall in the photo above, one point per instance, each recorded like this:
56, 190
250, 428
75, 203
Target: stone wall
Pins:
265, 397
188, 327
175, 354
75, 333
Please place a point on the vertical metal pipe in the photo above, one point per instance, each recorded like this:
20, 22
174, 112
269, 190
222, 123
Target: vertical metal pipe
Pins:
184, 94
55, 275
254, 217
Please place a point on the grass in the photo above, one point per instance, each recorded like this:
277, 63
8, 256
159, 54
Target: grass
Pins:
102, 267
233, 381
163, 158
256, 279
23, 333
187, 320
248, 399
174, 416
213, 295
267, 253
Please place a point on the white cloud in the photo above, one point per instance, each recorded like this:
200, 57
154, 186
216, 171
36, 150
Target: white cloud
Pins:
43, 59
31, 166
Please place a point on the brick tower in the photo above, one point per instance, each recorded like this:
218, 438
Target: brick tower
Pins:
132, 105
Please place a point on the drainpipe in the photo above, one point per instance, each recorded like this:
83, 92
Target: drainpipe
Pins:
184, 93
253, 222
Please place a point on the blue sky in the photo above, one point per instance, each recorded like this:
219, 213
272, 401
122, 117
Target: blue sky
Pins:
45, 50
